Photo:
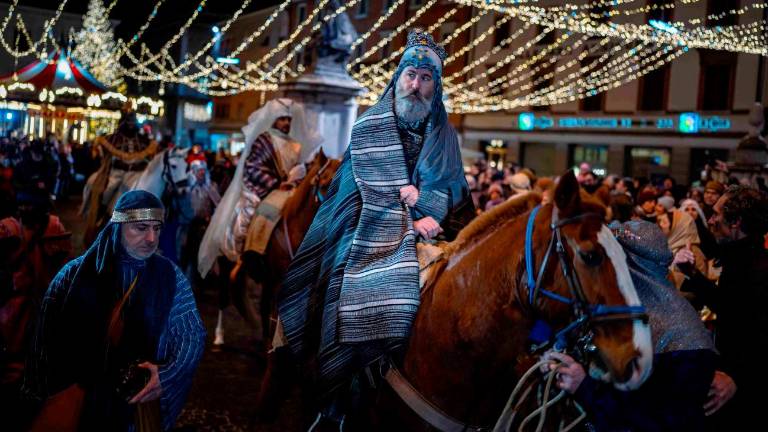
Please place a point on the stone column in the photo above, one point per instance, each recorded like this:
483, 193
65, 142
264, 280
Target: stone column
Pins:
329, 102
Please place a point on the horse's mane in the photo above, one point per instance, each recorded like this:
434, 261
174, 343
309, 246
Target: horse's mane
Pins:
491, 220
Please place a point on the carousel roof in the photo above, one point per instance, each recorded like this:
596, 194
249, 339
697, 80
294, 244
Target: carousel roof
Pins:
58, 71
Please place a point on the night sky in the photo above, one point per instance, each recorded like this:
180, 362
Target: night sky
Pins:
171, 15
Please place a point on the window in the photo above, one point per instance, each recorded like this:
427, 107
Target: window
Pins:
501, 33
362, 9
595, 155
716, 83
497, 89
386, 50
660, 10
594, 102
653, 90
540, 84
301, 13
387, 4
548, 38
265, 41
447, 30
222, 111
651, 162
415, 4
719, 11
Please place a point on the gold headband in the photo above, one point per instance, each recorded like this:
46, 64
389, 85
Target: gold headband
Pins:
137, 215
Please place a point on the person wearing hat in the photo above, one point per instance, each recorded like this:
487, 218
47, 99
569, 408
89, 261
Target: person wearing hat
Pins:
519, 183
119, 335
399, 181
495, 196
712, 192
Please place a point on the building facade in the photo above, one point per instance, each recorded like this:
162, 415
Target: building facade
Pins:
672, 121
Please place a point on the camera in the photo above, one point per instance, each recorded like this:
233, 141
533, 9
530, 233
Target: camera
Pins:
131, 380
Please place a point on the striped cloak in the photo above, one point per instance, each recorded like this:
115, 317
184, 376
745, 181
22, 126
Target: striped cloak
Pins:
355, 277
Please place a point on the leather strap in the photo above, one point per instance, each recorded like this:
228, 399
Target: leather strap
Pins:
422, 407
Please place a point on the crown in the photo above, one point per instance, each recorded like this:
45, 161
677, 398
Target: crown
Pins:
419, 38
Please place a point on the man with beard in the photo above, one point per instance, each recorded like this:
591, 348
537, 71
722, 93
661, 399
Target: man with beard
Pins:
119, 335
739, 223
356, 273
126, 154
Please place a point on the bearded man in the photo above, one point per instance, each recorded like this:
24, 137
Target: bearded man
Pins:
119, 335
356, 272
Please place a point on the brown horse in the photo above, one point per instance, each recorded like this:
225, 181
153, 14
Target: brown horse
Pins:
470, 339
296, 216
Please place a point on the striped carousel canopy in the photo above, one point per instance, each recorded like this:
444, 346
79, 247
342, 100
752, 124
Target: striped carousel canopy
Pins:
57, 72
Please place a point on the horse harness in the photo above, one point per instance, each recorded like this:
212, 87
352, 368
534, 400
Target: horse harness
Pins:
176, 186
319, 197
586, 314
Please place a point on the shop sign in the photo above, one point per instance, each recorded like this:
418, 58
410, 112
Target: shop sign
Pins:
689, 122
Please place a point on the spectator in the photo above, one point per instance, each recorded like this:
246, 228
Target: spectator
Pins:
708, 244
519, 183
646, 205
712, 192
495, 196
739, 223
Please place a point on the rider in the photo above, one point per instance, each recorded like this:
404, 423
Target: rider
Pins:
399, 179
278, 143
126, 154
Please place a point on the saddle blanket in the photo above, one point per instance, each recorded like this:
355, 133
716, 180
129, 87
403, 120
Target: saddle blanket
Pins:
264, 221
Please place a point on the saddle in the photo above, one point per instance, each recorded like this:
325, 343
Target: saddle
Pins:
266, 217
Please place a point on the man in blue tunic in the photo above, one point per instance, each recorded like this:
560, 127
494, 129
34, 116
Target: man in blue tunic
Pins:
119, 335
352, 291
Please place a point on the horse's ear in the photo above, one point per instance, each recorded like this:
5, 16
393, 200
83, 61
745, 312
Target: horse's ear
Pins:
567, 198
321, 156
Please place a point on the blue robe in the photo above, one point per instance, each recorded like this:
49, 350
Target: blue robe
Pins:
160, 324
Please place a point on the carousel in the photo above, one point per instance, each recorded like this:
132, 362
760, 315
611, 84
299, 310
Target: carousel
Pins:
56, 94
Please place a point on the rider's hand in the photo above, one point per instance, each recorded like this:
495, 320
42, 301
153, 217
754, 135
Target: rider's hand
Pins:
297, 173
153, 389
721, 391
409, 195
427, 228
569, 372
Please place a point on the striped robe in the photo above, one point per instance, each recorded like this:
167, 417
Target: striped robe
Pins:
355, 275
180, 344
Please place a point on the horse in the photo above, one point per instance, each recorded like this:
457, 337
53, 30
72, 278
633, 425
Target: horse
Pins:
517, 266
168, 169
164, 166
168, 177
295, 218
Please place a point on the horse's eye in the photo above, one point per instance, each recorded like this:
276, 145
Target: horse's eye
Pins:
592, 258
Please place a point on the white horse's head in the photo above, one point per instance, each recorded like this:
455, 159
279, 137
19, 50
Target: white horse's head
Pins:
169, 167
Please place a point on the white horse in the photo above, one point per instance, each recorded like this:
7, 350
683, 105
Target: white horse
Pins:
167, 168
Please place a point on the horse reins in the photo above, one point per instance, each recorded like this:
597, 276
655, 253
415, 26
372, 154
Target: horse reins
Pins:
319, 197
585, 312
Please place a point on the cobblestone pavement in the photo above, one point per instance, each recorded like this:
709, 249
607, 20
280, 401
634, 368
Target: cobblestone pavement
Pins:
226, 383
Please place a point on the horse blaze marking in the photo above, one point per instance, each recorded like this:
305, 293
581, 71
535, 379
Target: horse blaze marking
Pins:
641, 332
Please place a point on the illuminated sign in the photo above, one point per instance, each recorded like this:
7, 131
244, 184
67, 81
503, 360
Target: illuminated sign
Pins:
689, 122
198, 113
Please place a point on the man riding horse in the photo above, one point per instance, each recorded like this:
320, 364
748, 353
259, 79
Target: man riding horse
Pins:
278, 143
126, 153
356, 272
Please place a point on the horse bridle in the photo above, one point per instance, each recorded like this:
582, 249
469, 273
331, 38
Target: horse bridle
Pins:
319, 197
168, 177
585, 313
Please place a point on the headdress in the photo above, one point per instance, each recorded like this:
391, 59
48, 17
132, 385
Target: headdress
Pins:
137, 206
421, 51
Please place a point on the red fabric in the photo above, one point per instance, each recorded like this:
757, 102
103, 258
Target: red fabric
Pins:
84, 82
45, 78
193, 157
